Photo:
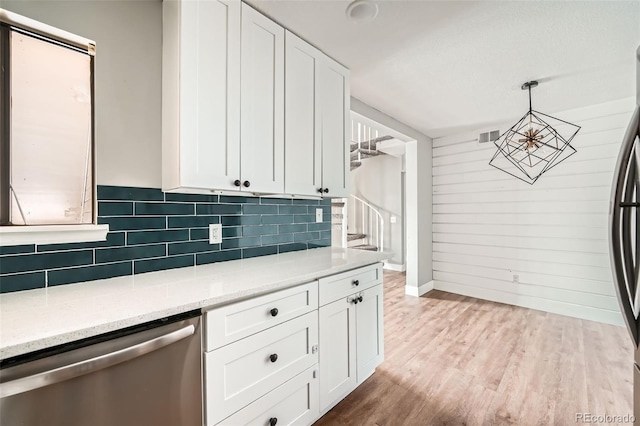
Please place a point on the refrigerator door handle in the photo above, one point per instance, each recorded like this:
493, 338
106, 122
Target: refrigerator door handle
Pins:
620, 239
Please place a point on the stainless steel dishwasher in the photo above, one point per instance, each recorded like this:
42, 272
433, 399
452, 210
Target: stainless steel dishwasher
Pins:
145, 375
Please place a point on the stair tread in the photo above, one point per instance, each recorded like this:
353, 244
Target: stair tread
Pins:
351, 237
365, 153
365, 247
370, 144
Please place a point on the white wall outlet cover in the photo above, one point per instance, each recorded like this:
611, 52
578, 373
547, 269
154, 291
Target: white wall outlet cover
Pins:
215, 233
318, 215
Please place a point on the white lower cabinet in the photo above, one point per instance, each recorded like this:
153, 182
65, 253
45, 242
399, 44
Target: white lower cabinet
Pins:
230, 323
369, 332
282, 359
337, 351
293, 403
351, 332
242, 372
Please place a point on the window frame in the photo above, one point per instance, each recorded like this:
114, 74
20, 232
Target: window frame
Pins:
12, 234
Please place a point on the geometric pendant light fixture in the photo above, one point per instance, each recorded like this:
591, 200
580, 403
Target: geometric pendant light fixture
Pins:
534, 145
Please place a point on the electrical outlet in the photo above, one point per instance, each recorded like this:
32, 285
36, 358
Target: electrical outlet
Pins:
318, 215
215, 233
516, 279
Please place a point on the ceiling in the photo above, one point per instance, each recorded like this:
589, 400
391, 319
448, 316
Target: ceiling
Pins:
443, 67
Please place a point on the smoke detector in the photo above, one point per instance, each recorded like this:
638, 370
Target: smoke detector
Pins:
362, 11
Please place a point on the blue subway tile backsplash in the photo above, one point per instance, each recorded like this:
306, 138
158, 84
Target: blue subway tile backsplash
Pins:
88, 273
23, 282
29, 248
150, 230
42, 261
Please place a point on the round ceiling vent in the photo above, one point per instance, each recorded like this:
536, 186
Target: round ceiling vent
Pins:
362, 11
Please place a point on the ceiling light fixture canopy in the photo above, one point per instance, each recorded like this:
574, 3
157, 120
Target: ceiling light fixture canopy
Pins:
533, 145
362, 11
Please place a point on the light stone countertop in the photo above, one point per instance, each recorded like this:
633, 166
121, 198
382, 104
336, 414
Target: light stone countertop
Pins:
37, 319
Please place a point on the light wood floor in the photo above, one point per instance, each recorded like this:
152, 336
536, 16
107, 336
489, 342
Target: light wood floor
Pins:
456, 360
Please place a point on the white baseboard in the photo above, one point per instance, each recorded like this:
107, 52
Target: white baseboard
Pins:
393, 267
525, 301
418, 291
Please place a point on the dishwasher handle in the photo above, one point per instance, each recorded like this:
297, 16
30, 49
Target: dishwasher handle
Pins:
91, 365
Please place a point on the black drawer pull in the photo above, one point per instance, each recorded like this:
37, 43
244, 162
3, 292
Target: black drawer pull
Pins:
356, 282
236, 182
320, 190
274, 312
246, 184
273, 357
273, 421
325, 190
359, 298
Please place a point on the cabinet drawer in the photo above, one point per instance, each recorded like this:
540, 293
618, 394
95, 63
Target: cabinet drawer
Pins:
341, 285
242, 372
230, 323
295, 402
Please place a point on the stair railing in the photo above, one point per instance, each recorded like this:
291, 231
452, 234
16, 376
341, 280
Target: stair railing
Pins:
367, 224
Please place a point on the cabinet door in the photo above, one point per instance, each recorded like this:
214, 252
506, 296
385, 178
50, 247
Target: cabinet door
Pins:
293, 403
335, 110
262, 103
369, 332
241, 372
229, 323
202, 76
303, 143
337, 336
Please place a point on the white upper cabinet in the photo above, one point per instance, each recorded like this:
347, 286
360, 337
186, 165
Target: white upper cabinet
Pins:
335, 106
303, 158
201, 95
262, 103
316, 117
241, 114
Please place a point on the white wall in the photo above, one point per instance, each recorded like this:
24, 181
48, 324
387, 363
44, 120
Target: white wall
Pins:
418, 193
128, 36
379, 181
489, 226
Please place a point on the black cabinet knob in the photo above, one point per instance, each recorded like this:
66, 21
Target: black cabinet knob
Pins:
355, 301
273, 421
320, 190
236, 182
273, 357
359, 298
356, 282
274, 312
246, 184
326, 190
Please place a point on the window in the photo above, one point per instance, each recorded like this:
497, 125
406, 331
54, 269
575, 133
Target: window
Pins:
46, 132
47, 135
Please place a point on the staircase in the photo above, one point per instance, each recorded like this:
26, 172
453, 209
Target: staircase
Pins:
359, 246
366, 225
365, 149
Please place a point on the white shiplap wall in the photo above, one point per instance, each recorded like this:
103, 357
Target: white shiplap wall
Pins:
489, 226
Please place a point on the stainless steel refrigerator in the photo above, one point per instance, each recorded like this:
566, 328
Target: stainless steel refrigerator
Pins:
624, 225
